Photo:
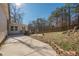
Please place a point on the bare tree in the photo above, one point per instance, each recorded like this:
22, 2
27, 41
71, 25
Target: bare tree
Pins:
16, 13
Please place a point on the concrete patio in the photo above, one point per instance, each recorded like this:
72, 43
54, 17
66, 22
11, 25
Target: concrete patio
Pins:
26, 46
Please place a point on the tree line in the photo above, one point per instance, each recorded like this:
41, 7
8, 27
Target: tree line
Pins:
62, 18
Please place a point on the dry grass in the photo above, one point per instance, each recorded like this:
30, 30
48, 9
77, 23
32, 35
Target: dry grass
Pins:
67, 43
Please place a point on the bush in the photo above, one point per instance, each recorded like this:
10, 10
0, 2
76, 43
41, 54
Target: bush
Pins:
26, 33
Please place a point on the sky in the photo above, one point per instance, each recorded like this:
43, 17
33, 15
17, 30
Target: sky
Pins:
32, 11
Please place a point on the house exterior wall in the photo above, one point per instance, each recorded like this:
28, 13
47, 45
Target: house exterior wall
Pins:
3, 21
20, 30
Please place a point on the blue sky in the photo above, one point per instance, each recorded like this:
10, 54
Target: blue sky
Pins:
32, 11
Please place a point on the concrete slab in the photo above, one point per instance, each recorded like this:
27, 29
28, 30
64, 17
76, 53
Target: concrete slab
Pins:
26, 46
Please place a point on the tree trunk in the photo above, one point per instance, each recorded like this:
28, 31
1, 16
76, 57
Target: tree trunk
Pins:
57, 23
69, 18
78, 20
62, 22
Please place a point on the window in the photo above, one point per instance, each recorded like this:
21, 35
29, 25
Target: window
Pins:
16, 28
11, 28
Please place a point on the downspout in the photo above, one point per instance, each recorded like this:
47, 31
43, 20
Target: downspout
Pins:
8, 21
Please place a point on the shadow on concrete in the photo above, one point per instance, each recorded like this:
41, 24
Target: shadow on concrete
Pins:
35, 48
16, 35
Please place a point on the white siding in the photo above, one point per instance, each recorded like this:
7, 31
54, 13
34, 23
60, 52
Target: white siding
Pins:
3, 25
